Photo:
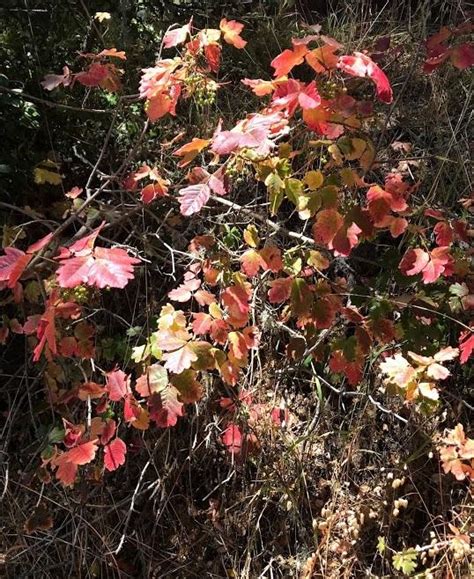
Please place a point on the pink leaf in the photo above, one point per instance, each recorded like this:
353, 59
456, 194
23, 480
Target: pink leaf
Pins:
51, 81
177, 36
414, 261
112, 267
432, 265
118, 385
193, 198
180, 360
74, 271
361, 65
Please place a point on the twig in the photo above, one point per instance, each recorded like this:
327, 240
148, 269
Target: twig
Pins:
275, 226
51, 104
130, 510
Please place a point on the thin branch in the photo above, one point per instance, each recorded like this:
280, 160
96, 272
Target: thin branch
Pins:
51, 104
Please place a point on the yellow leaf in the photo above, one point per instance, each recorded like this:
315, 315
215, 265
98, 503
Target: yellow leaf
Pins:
359, 146
46, 172
368, 157
314, 179
251, 237
336, 154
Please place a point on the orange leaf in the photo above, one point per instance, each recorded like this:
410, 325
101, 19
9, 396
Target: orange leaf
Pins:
288, 59
81, 454
231, 30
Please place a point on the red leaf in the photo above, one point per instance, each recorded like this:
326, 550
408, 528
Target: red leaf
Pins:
346, 238
202, 323
414, 261
159, 106
397, 226
280, 290
379, 203
12, 265
212, 52
462, 56
108, 430
101, 267
443, 233
466, 346
153, 190
271, 258
114, 454
112, 267
74, 271
323, 59
118, 385
291, 93
165, 409
111, 52
328, 222
190, 150
66, 472
193, 198
251, 262
352, 370
361, 65
259, 87
232, 439
94, 75
46, 334
236, 299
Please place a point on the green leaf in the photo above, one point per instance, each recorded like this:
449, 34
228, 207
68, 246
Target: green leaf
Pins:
275, 186
381, 545
56, 434
405, 561
293, 189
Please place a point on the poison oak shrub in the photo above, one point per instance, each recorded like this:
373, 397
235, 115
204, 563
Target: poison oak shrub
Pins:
311, 146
